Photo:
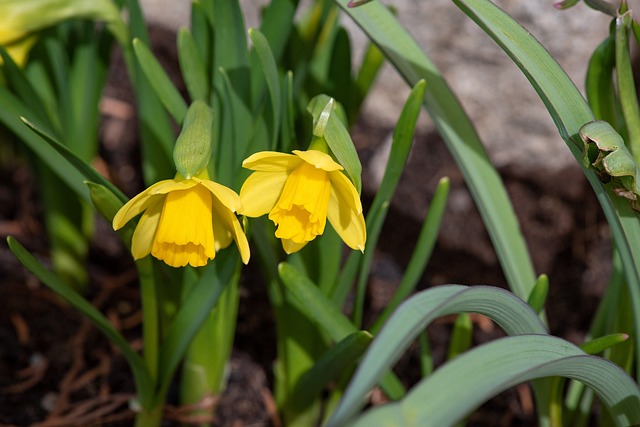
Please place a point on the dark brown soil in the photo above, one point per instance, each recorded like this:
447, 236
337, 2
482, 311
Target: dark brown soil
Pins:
54, 366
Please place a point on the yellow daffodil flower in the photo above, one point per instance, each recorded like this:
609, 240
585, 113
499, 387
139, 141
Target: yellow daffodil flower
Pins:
184, 221
300, 191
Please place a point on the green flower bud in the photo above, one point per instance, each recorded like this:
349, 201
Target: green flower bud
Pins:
193, 147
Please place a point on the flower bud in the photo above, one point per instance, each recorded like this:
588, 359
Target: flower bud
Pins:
193, 146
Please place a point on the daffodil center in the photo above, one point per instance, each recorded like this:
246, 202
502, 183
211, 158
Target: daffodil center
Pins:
301, 211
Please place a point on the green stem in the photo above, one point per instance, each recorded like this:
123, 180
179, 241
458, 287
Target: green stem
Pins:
151, 418
626, 85
150, 326
555, 402
206, 360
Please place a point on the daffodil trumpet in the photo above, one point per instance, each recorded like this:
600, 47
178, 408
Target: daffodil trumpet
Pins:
299, 192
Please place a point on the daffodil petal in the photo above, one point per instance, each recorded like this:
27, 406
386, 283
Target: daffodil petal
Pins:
145, 232
169, 185
138, 204
318, 159
271, 161
345, 214
225, 195
261, 191
290, 246
345, 187
232, 228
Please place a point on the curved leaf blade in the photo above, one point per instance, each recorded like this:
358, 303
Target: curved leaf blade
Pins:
413, 316
459, 386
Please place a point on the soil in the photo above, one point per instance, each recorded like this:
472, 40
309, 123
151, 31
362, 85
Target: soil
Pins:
57, 370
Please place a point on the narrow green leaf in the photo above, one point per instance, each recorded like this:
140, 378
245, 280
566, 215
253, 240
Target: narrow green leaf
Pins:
599, 83
193, 312
458, 387
539, 293
277, 24
626, 85
21, 86
337, 137
414, 315
10, 113
107, 203
460, 136
371, 64
287, 128
144, 386
600, 344
192, 67
79, 165
269, 69
339, 73
328, 367
400, 147
461, 336
230, 46
327, 316
421, 253
160, 81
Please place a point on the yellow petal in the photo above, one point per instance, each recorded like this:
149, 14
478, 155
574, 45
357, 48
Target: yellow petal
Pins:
185, 233
225, 195
318, 159
260, 192
228, 220
345, 212
145, 233
271, 161
290, 246
139, 203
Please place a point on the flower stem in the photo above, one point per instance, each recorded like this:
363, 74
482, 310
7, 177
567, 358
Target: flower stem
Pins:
203, 374
152, 418
150, 327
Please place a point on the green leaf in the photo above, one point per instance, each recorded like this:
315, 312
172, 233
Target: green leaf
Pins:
322, 311
600, 344
269, 69
400, 147
144, 386
230, 46
461, 336
538, 295
606, 152
327, 125
193, 312
626, 85
458, 387
89, 173
421, 253
10, 113
414, 315
192, 67
328, 367
599, 84
569, 112
160, 82
460, 136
